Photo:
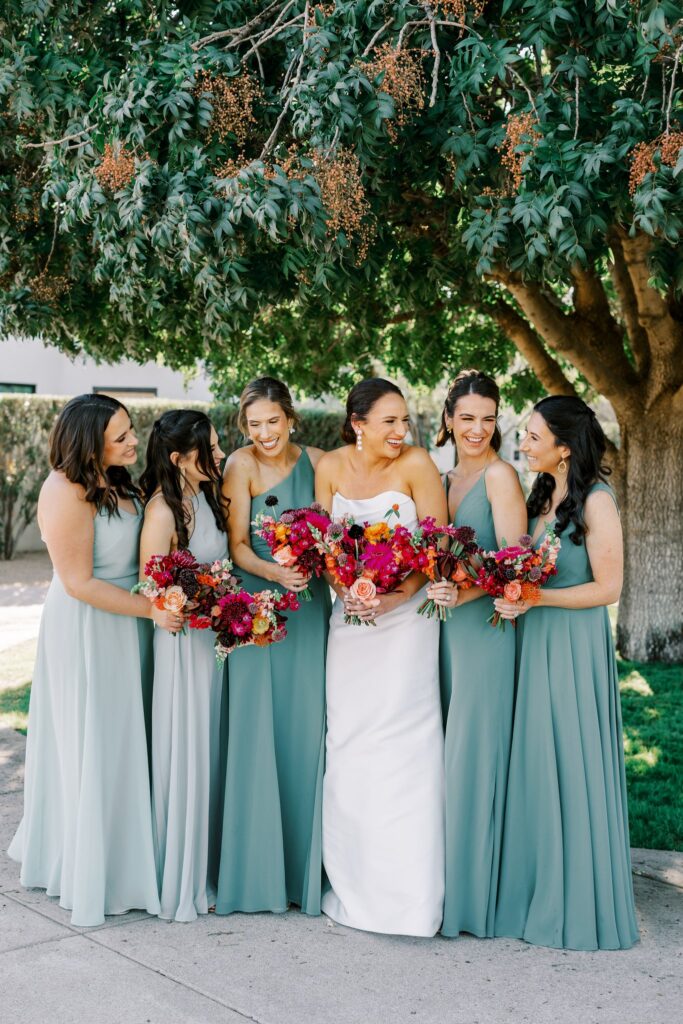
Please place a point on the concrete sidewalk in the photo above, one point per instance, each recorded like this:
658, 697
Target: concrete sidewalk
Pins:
290, 969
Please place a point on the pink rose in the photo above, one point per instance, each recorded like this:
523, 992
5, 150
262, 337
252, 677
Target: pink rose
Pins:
363, 589
285, 557
513, 591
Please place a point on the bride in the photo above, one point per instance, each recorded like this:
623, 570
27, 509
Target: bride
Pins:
383, 790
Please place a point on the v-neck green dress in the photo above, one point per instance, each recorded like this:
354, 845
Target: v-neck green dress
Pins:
565, 878
477, 670
272, 829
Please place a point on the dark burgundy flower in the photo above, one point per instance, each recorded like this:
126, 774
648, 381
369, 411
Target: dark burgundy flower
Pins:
187, 581
356, 532
271, 501
183, 559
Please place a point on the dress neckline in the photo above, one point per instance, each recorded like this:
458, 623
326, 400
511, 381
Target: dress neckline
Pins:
464, 499
291, 473
338, 494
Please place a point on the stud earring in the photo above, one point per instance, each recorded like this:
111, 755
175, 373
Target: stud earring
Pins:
359, 441
292, 429
562, 466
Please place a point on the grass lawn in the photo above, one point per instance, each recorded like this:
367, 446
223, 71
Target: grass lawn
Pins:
652, 708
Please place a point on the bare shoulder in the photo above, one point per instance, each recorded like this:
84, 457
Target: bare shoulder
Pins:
157, 512
58, 490
502, 474
314, 454
240, 463
329, 462
417, 460
600, 507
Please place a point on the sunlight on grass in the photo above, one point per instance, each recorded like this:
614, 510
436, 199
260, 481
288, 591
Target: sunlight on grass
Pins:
634, 682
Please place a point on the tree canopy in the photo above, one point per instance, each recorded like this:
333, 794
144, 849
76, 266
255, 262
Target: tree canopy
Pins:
311, 186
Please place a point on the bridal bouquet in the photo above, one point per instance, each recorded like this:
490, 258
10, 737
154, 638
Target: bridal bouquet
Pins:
444, 553
518, 572
291, 539
368, 560
171, 581
240, 619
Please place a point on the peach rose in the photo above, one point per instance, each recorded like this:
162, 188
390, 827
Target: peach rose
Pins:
363, 589
283, 556
513, 591
175, 599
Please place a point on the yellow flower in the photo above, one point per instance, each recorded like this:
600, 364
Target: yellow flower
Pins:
260, 625
281, 531
376, 533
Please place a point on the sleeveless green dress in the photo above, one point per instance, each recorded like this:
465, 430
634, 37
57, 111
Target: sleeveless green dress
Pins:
272, 827
86, 833
477, 671
565, 878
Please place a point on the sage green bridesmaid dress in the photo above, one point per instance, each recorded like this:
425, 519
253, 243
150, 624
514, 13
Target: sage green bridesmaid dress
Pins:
272, 830
187, 761
565, 877
86, 833
477, 670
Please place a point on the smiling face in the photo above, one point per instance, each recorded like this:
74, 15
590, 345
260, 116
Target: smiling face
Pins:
190, 468
267, 427
120, 442
472, 424
540, 446
385, 427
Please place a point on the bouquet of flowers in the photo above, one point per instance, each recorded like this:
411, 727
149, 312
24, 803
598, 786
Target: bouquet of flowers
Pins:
452, 561
368, 559
171, 581
518, 572
291, 539
240, 618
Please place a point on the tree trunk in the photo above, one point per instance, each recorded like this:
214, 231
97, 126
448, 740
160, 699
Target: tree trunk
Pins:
650, 624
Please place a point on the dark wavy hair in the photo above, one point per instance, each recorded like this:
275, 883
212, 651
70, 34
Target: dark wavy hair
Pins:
271, 389
77, 450
575, 425
469, 382
183, 431
361, 399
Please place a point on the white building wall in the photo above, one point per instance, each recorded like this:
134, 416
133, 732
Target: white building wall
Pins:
51, 372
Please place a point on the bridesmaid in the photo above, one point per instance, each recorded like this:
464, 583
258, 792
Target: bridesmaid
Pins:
566, 869
184, 509
477, 663
86, 834
271, 852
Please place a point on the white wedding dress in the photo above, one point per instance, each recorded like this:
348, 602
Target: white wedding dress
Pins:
383, 791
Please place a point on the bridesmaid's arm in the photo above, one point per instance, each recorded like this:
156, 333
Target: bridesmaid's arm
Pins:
68, 528
604, 546
505, 494
158, 536
324, 492
237, 490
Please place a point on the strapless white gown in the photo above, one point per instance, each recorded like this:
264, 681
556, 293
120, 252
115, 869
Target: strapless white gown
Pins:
383, 791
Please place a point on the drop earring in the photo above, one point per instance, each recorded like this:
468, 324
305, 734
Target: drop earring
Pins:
562, 466
359, 441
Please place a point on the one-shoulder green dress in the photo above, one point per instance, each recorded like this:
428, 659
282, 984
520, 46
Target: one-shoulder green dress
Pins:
272, 830
477, 670
565, 878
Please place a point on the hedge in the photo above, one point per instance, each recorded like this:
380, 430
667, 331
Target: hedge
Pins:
26, 421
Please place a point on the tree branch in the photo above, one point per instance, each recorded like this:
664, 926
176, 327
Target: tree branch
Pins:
437, 53
597, 356
623, 285
380, 32
270, 141
665, 335
238, 33
530, 346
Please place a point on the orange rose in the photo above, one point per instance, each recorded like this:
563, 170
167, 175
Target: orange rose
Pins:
283, 556
460, 575
175, 599
363, 589
513, 591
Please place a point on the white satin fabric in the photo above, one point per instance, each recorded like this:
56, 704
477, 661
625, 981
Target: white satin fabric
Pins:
383, 792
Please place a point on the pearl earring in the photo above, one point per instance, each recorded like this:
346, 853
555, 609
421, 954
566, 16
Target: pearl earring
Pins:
359, 441
291, 430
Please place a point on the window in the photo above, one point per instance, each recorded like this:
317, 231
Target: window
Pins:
24, 389
123, 393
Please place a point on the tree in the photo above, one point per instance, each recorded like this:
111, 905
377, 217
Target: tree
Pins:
305, 187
